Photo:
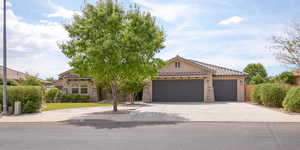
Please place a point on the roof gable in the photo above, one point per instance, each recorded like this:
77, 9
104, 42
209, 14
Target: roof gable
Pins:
199, 68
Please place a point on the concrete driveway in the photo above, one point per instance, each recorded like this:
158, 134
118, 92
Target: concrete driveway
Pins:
223, 112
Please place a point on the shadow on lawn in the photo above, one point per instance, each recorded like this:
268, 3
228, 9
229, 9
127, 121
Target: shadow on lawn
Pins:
128, 121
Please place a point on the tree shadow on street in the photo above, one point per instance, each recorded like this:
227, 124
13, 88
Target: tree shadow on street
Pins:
128, 121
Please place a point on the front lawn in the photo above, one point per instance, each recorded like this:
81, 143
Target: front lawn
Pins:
56, 106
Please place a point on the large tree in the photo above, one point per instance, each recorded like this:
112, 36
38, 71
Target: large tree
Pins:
254, 70
287, 45
112, 44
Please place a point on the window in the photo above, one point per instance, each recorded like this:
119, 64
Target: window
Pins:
177, 64
75, 90
84, 89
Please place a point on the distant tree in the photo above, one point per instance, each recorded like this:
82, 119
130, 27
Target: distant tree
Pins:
254, 70
257, 79
31, 80
286, 47
112, 44
50, 79
285, 77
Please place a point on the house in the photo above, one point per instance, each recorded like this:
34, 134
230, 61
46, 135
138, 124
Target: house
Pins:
17, 75
13, 74
297, 76
71, 83
186, 80
182, 80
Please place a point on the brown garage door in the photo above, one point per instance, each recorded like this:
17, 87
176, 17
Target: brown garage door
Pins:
225, 90
178, 90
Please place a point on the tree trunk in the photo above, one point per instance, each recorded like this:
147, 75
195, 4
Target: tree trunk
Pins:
131, 98
114, 95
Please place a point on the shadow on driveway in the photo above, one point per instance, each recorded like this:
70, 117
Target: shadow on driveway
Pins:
114, 121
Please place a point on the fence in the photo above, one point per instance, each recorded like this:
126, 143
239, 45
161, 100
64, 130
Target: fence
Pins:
249, 88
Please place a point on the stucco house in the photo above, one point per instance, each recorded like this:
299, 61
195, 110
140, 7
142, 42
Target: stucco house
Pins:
17, 75
182, 80
297, 76
71, 83
186, 80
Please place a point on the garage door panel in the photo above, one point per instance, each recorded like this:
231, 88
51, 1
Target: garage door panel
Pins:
225, 90
178, 90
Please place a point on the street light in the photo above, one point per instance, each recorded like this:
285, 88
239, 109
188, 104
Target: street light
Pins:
4, 61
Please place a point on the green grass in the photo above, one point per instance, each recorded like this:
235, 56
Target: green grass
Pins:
56, 106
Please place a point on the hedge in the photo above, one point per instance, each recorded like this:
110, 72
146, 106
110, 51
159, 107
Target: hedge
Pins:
74, 98
51, 95
256, 94
29, 96
292, 100
273, 94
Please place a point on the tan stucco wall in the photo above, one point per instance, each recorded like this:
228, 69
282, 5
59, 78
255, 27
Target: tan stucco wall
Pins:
13, 74
208, 80
298, 80
92, 89
184, 67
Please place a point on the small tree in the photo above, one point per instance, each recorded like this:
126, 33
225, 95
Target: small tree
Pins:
286, 47
113, 45
257, 79
253, 70
132, 88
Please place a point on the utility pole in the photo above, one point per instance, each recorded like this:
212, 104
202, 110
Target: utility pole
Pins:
4, 61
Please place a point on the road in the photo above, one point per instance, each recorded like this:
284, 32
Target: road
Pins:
109, 135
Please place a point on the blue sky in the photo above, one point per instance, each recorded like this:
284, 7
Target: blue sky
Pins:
231, 33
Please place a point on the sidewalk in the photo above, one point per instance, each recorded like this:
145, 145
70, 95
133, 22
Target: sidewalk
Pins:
57, 115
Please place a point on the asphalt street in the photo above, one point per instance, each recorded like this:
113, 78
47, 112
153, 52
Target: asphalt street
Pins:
110, 135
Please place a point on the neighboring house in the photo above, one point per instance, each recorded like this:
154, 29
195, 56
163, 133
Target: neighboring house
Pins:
17, 75
71, 83
297, 76
13, 74
185, 80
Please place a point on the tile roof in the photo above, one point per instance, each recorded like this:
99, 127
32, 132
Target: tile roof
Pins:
182, 73
220, 71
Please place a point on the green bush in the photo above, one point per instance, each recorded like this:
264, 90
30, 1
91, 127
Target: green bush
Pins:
74, 98
51, 95
292, 100
273, 94
256, 94
29, 96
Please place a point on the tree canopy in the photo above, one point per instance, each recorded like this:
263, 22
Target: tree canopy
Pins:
254, 70
287, 45
112, 44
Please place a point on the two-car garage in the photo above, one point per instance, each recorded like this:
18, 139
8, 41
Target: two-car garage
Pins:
192, 90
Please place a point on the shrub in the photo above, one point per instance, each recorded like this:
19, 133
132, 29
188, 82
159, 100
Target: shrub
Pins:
29, 96
74, 98
292, 100
51, 95
273, 94
256, 94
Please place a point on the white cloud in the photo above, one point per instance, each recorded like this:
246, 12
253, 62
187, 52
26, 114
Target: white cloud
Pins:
232, 20
168, 12
61, 12
33, 47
